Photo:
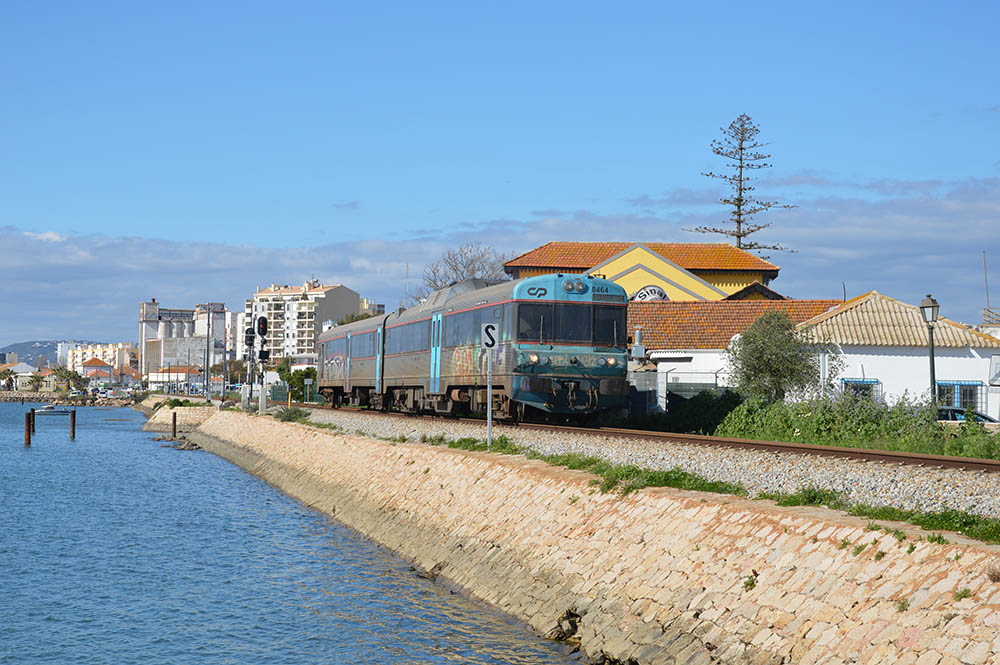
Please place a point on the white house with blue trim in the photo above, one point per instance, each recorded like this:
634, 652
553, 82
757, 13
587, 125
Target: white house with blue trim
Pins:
884, 345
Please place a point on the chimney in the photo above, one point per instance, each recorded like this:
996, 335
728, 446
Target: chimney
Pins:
638, 350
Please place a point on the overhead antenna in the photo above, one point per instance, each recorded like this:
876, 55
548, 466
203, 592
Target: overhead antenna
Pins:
986, 278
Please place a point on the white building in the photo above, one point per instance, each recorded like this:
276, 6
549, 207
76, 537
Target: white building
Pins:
295, 313
687, 340
62, 352
885, 349
122, 354
882, 343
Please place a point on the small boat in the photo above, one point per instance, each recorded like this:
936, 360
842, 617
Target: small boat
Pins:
50, 410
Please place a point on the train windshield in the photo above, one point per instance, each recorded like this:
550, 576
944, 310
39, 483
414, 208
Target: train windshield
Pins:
554, 323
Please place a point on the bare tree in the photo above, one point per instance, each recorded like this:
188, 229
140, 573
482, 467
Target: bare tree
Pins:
740, 147
473, 259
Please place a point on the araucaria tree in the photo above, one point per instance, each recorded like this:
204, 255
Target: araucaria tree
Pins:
771, 359
739, 146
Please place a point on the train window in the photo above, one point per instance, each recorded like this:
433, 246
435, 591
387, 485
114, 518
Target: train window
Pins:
497, 313
409, 338
363, 345
610, 325
535, 322
462, 329
335, 347
574, 323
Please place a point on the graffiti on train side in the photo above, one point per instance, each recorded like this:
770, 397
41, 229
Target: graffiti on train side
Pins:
470, 361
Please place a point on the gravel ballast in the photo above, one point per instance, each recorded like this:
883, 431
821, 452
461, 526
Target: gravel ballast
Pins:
901, 486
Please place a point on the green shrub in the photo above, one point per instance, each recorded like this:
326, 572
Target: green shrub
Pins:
857, 421
293, 414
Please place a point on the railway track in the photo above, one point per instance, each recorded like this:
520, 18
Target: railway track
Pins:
864, 454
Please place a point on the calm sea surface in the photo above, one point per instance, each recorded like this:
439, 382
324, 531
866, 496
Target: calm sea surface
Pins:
114, 549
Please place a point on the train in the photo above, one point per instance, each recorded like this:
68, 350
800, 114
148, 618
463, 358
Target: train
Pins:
560, 350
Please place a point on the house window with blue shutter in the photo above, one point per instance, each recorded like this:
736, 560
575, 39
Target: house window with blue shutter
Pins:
962, 394
867, 387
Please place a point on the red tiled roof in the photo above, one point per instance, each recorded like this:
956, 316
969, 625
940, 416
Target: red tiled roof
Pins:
581, 256
99, 373
709, 325
755, 288
94, 362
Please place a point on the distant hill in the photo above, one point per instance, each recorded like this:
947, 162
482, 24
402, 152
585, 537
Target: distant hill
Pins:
30, 352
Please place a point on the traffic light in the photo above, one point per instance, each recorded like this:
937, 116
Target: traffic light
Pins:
262, 326
248, 336
264, 354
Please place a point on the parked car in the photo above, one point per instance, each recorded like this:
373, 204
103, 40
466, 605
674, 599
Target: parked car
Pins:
75, 393
954, 413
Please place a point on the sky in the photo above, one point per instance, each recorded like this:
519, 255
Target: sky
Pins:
192, 152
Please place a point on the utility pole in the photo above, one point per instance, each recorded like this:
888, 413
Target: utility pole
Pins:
208, 353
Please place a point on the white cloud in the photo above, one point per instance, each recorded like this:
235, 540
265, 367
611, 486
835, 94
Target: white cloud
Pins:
47, 236
903, 246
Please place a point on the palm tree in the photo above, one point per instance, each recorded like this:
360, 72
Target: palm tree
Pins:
35, 382
6, 376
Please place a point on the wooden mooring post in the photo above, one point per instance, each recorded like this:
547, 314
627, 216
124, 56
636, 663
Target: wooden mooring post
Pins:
32, 420
27, 429
72, 425
173, 425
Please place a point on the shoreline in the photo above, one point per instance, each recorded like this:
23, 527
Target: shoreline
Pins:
657, 576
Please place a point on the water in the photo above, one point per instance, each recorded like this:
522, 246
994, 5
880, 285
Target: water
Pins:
114, 549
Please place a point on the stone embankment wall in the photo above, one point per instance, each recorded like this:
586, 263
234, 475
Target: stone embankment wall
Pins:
148, 405
188, 418
658, 576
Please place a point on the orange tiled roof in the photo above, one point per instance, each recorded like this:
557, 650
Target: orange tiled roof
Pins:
581, 256
99, 373
709, 325
94, 362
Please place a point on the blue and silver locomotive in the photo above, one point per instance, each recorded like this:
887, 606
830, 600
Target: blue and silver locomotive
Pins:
561, 350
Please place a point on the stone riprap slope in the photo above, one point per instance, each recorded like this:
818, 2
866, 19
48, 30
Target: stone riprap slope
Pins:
909, 487
659, 576
188, 418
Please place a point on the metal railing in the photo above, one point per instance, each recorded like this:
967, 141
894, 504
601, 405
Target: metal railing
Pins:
991, 316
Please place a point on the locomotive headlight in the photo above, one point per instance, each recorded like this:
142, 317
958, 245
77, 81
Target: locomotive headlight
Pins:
612, 362
568, 286
579, 286
546, 360
533, 358
602, 361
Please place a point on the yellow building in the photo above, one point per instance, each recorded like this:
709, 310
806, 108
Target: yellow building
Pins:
657, 271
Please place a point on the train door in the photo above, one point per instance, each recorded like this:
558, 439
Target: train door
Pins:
378, 358
435, 387
347, 366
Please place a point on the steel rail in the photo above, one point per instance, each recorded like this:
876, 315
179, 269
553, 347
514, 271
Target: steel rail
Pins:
863, 454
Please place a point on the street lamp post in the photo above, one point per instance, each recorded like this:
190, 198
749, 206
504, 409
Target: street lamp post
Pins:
929, 310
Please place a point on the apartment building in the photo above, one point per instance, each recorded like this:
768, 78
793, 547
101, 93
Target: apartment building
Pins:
122, 354
295, 313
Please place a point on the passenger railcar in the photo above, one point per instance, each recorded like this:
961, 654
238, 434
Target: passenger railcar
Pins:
561, 350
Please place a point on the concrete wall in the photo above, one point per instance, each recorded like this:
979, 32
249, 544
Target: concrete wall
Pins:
907, 369
659, 576
188, 418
